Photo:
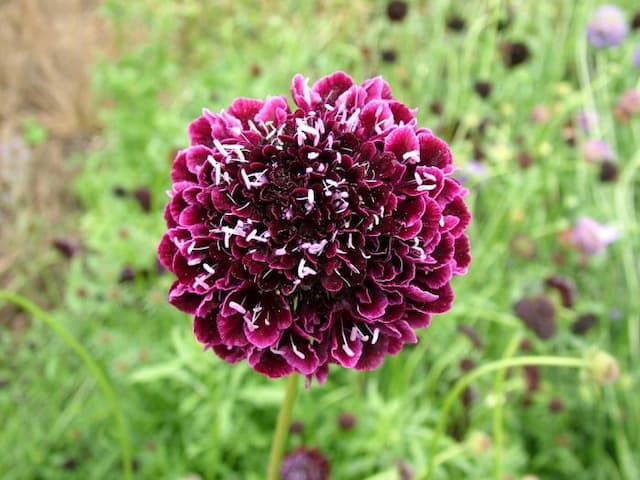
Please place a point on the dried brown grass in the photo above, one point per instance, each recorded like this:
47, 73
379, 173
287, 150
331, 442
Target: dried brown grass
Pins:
48, 47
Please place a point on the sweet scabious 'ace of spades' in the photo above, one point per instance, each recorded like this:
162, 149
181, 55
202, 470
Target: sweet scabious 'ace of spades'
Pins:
326, 233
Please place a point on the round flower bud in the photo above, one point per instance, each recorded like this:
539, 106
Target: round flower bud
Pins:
604, 368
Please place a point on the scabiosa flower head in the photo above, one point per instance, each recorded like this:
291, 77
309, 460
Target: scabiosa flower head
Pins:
326, 233
305, 464
538, 314
596, 151
608, 27
591, 237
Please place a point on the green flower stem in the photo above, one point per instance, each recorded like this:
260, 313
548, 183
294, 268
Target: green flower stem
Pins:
498, 424
482, 370
282, 428
97, 372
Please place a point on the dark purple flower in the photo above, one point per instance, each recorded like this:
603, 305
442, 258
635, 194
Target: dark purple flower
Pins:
397, 10
514, 53
405, 471
538, 314
346, 421
143, 196
482, 88
609, 171
326, 234
608, 27
388, 55
66, 247
556, 405
296, 427
456, 23
566, 287
304, 464
584, 323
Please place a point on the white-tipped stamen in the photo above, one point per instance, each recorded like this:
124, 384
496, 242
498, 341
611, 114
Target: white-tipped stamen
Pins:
412, 155
237, 307
297, 352
376, 332
313, 155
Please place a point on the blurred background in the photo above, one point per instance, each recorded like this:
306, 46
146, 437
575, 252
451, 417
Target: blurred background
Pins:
540, 103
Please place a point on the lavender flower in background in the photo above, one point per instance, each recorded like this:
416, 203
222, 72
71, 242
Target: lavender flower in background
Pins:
591, 237
587, 121
305, 464
608, 27
326, 234
597, 151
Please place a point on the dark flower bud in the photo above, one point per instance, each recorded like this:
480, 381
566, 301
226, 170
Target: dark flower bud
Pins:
296, 427
525, 345
397, 10
126, 275
609, 171
556, 405
467, 364
514, 53
255, 70
538, 314
584, 323
482, 88
532, 378
388, 55
524, 160
436, 108
635, 21
304, 464
565, 287
456, 23
119, 191
143, 196
346, 421
66, 247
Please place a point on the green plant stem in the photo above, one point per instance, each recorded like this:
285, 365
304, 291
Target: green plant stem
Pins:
498, 424
99, 375
282, 427
480, 371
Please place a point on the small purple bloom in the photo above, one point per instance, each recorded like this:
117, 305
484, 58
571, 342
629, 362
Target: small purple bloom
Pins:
587, 120
591, 237
597, 151
324, 234
537, 313
305, 464
608, 27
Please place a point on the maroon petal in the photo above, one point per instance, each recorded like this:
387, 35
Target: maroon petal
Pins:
182, 299
299, 352
402, 141
462, 255
230, 353
271, 364
245, 109
329, 88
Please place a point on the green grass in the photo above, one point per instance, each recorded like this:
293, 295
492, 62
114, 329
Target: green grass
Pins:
188, 412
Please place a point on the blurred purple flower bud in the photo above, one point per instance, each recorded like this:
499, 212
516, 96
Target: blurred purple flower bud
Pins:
596, 151
591, 237
608, 27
